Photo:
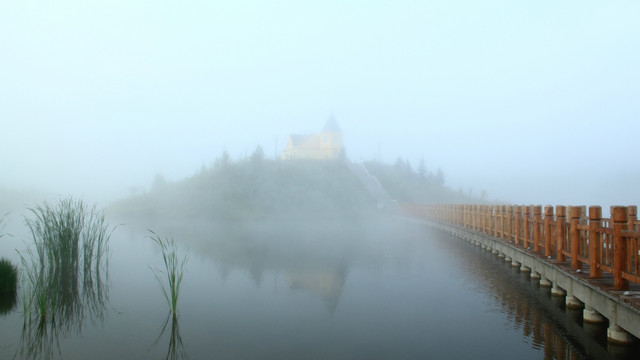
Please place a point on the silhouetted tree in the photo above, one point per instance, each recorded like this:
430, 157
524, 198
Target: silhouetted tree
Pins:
440, 177
258, 156
422, 169
223, 160
159, 182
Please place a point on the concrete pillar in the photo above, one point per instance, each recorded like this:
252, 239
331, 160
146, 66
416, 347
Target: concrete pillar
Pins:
571, 302
544, 282
495, 252
515, 263
535, 275
591, 316
618, 335
557, 291
525, 269
502, 256
507, 259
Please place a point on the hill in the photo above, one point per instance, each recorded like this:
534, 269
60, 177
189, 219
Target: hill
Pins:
255, 189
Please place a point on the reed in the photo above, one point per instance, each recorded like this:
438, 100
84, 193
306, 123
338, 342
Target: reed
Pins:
170, 278
68, 269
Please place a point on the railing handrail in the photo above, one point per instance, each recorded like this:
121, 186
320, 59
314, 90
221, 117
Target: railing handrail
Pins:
583, 236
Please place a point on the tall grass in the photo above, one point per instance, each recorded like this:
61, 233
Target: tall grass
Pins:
8, 279
170, 278
67, 272
8, 286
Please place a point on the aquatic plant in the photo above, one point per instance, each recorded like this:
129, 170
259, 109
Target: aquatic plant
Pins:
8, 277
68, 270
8, 285
173, 270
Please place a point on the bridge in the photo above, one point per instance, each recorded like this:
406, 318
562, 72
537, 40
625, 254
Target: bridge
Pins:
593, 262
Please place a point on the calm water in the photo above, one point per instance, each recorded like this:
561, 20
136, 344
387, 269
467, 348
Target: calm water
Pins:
315, 291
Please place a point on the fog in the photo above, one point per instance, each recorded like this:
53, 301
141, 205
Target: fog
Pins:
532, 102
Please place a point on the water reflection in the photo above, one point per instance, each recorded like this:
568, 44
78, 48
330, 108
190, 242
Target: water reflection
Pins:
313, 257
66, 277
531, 310
40, 339
176, 348
407, 297
58, 305
326, 283
8, 302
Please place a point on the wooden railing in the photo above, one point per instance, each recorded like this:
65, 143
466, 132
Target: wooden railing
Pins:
569, 234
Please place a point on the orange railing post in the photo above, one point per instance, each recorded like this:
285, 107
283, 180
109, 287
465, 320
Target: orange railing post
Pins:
503, 212
548, 218
494, 223
633, 217
576, 214
560, 217
537, 213
525, 225
595, 240
632, 213
517, 227
509, 216
619, 220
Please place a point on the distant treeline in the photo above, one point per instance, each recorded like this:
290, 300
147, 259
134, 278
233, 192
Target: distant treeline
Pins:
405, 184
254, 189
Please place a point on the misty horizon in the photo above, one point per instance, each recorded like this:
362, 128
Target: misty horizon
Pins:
534, 103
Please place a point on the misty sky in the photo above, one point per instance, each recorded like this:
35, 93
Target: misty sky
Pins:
533, 101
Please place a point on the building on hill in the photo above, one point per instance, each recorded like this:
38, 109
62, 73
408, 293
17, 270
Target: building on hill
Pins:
319, 146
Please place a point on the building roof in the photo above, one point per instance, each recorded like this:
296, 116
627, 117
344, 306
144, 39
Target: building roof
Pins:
331, 125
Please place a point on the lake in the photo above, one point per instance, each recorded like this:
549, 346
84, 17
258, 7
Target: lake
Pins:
387, 289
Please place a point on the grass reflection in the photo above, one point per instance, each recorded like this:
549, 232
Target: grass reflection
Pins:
176, 346
39, 340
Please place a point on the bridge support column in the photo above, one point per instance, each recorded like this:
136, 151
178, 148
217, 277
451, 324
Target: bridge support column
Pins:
495, 252
515, 263
525, 269
571, 302
544, 282
535, 275
618, 335
591, 316
507, 259
557, 291
502, 256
